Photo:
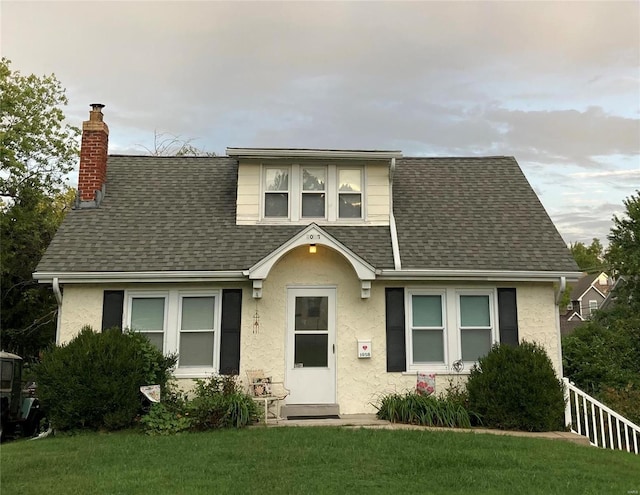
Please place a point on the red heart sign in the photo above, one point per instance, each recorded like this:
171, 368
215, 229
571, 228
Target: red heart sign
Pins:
365, 347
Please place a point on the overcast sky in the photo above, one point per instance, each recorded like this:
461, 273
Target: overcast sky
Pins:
557, 85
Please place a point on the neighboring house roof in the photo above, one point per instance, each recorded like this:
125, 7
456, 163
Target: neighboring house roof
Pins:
584, 284
179, 214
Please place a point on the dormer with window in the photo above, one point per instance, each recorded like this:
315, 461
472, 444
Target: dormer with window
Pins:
301, 186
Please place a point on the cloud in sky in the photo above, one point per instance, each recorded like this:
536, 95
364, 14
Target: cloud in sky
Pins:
556, 84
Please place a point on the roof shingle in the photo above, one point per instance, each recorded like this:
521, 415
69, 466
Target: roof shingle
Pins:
178, 213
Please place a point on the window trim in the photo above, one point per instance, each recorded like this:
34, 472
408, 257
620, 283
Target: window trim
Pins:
493, 311
433, 365
263, 196
452, 335
295, 193
128, 310
361, 193
303, 192
173, 323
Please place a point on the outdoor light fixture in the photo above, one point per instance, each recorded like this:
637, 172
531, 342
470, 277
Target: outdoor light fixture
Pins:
312, 248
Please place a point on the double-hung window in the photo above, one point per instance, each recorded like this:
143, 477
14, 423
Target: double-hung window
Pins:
313, 192
475, 325
197, 331
148, 315
276, 195
427, 328
186, 322
349, 193
447, 325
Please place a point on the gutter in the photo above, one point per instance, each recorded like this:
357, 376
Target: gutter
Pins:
480, 275
58, 294
123, 277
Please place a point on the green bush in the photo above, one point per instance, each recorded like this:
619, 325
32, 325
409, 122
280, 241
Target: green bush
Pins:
424, 410
218, 402
602, 357
515, 388
165, 420
93, 381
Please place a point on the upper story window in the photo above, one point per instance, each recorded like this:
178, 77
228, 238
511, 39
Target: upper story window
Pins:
276, 196
314, 196
325, 192
350, 193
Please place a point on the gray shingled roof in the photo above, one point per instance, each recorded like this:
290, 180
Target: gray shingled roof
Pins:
473, 213
178, 213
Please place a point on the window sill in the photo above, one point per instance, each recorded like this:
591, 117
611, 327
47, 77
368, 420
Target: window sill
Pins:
436, 372
191, 374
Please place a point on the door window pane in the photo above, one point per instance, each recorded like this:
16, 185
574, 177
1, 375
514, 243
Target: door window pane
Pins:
196, 349
147, 313
311, 350
475, 343
197, 313
312, 313
428, 346
427, 311
474, 311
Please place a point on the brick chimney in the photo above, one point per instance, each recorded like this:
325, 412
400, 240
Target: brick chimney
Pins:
93, 157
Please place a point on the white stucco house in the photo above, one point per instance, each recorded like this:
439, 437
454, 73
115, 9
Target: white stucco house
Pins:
342, 273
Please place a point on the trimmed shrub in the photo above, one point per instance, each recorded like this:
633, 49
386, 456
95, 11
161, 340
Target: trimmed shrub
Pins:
515, 388
425, 410
93, 381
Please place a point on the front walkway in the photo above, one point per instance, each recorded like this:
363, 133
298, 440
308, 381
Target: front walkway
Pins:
370, 421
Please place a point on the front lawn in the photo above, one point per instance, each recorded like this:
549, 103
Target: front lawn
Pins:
312, 460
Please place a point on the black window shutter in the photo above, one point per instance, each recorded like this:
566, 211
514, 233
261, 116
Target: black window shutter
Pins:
394, 310
112, 304
230, 331
508, 316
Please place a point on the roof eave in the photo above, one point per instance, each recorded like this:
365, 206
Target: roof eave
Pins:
150, 276
312, 153
480, 275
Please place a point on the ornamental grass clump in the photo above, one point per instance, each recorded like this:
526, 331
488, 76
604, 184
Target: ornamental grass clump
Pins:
425, 410
515, 388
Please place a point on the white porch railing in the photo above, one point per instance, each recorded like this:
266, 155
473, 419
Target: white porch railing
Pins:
604, 427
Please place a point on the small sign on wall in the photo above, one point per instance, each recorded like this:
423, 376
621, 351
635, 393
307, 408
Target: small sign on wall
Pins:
364, 349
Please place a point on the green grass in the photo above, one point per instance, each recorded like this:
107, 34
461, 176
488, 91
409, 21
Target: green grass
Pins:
314, 461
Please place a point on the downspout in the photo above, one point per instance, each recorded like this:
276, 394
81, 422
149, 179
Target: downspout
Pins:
392, 220
562, 287
58, 294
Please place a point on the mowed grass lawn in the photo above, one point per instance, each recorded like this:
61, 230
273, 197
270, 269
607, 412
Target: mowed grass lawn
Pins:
312, 460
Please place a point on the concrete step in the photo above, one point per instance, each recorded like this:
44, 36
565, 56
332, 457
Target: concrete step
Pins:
309, 410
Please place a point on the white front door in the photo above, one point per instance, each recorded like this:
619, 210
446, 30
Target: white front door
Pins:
311, 357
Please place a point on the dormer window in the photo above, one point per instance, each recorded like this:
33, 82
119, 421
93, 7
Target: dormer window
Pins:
276, 196
314, 198
283, 186
350, 193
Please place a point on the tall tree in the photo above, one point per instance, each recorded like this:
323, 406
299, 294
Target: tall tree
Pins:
37, 151
590, 258
624, 251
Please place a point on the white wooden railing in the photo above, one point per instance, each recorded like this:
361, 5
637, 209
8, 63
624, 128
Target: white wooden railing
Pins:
604, 427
